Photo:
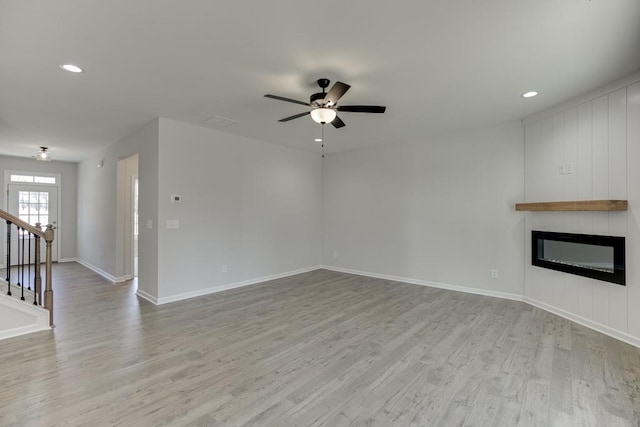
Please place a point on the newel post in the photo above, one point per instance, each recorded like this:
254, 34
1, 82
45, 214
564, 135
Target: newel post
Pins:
37, 289
48, 291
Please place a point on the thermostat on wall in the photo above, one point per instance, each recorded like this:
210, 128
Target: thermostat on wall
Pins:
176, 198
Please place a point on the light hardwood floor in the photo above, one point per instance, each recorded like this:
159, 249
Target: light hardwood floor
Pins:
321, 348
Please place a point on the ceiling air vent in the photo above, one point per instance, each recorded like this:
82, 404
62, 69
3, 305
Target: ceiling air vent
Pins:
220, 122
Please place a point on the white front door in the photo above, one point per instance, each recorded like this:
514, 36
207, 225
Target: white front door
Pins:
33, 204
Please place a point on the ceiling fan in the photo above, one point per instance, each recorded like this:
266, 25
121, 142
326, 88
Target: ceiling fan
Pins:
324, 106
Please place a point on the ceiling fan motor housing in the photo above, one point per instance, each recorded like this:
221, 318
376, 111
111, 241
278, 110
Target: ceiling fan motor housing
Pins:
317, 99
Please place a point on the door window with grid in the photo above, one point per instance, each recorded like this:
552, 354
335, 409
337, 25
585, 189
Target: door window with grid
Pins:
33, 207
34, 203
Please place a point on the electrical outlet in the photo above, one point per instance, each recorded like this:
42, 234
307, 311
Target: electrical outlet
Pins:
224, 268
562, 169
494, 273
335, 254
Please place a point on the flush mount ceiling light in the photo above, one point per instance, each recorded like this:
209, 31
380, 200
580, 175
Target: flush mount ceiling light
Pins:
530, 94
71, 68
323, 115
44, 155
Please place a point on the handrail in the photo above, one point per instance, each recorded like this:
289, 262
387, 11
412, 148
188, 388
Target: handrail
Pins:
20, 223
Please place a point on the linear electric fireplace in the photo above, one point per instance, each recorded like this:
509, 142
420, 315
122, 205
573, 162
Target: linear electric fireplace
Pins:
588, 255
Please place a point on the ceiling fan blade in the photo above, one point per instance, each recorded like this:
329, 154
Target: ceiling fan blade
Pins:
281, 98
286, 119
338, 123
362, 108
335, 93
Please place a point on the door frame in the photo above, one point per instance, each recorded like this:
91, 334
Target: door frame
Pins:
58, 189
126, 170
135, 246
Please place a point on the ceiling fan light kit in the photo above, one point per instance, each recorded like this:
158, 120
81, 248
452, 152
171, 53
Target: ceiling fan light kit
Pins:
323, 115
324, 105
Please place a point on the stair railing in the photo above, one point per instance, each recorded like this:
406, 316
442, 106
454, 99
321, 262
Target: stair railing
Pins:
26, 233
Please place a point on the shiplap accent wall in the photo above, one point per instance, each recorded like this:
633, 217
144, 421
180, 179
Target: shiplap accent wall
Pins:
601, 138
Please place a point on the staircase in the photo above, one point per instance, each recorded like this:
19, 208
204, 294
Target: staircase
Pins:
24, 305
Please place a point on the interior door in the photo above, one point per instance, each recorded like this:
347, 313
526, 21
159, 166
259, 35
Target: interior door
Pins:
33, 204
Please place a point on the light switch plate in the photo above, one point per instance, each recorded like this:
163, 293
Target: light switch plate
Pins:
569, 168
176, 198
173, 224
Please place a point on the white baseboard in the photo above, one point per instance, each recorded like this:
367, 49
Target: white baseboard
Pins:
39, 317
622, 336
10, 333
101, 272
225, 287
2, 266
484, 292
147, 296
61, 260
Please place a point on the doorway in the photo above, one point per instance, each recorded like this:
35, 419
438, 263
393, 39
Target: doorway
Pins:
135, 227
127, 218
33, 197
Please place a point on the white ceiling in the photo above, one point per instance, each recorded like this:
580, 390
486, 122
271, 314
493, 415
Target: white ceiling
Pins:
437, 65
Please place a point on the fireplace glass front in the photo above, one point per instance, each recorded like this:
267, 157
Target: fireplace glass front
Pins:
594, 256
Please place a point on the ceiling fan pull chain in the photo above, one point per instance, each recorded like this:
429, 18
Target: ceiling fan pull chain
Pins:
323, 140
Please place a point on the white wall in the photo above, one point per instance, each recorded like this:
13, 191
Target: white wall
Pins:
441, 210
97, 207
600, 135
67, 200
252, 206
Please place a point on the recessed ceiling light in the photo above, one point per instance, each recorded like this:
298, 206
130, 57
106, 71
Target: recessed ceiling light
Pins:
71, 68
318, 140
529, 94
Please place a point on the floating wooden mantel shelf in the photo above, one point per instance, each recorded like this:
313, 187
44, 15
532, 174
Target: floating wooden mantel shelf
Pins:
574, 205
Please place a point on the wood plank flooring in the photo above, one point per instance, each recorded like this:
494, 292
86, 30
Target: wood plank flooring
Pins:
316, 349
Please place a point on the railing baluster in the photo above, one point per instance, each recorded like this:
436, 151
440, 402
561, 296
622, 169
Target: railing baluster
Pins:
21, 237
18, 232
29, 263
8, 258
